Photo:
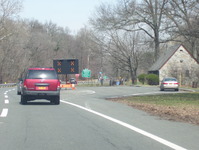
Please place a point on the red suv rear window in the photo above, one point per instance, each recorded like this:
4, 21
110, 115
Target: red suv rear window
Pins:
41, 69
41, 74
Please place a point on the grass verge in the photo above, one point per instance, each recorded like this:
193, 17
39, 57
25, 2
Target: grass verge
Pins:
182, 107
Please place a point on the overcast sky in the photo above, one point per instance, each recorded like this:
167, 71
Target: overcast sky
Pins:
73, 14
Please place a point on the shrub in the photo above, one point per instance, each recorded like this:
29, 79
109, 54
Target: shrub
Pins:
152, 79
142, 78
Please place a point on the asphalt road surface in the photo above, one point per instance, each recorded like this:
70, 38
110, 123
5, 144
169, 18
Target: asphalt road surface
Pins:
84, 120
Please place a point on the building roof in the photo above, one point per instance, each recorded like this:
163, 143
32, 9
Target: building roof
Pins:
164, 58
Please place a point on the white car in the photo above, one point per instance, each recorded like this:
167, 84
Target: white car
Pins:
169, 83
19, 87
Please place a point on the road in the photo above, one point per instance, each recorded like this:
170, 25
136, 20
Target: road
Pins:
86, 121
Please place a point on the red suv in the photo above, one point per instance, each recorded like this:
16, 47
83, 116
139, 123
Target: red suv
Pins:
41, 83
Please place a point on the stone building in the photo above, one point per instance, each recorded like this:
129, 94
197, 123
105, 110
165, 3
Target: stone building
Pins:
177, 62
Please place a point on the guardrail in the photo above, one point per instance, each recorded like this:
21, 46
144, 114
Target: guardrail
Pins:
7, 85
92, 82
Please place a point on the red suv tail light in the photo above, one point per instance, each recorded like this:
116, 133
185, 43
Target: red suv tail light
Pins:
58, 86
25, 85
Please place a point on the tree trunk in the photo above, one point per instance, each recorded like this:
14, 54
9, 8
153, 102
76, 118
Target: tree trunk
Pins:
157, 44
131, 71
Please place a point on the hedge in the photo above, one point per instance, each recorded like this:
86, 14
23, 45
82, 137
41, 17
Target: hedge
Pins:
152, 79
142, 78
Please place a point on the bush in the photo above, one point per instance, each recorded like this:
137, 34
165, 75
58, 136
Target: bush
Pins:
142, 78
152, 79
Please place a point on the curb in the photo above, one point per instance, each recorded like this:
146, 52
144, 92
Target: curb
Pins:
189, 90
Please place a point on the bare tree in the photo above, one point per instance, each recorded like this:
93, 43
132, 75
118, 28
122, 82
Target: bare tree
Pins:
150, 19
147, 16
9, 9
115, 17
125, 50
184, 18
89, 51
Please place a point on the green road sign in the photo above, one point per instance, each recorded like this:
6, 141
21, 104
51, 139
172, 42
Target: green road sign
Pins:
86, 73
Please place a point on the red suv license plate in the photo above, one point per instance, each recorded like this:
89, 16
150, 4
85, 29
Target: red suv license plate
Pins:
41, 88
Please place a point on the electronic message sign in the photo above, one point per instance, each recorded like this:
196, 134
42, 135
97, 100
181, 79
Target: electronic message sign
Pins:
66, 66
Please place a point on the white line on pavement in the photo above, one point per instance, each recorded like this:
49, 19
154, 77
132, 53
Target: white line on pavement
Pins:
4, 112
6, 101
140, 131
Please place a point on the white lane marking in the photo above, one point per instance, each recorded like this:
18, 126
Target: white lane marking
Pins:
88, 91
4, 112
92, 92
140, 131
6, 96
138, 94
6, 101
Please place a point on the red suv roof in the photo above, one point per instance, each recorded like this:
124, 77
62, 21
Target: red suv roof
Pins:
41, 69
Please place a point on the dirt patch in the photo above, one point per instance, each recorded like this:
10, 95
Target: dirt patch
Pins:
174, 113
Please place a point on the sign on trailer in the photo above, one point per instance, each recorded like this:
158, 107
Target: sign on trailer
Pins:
66, 66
